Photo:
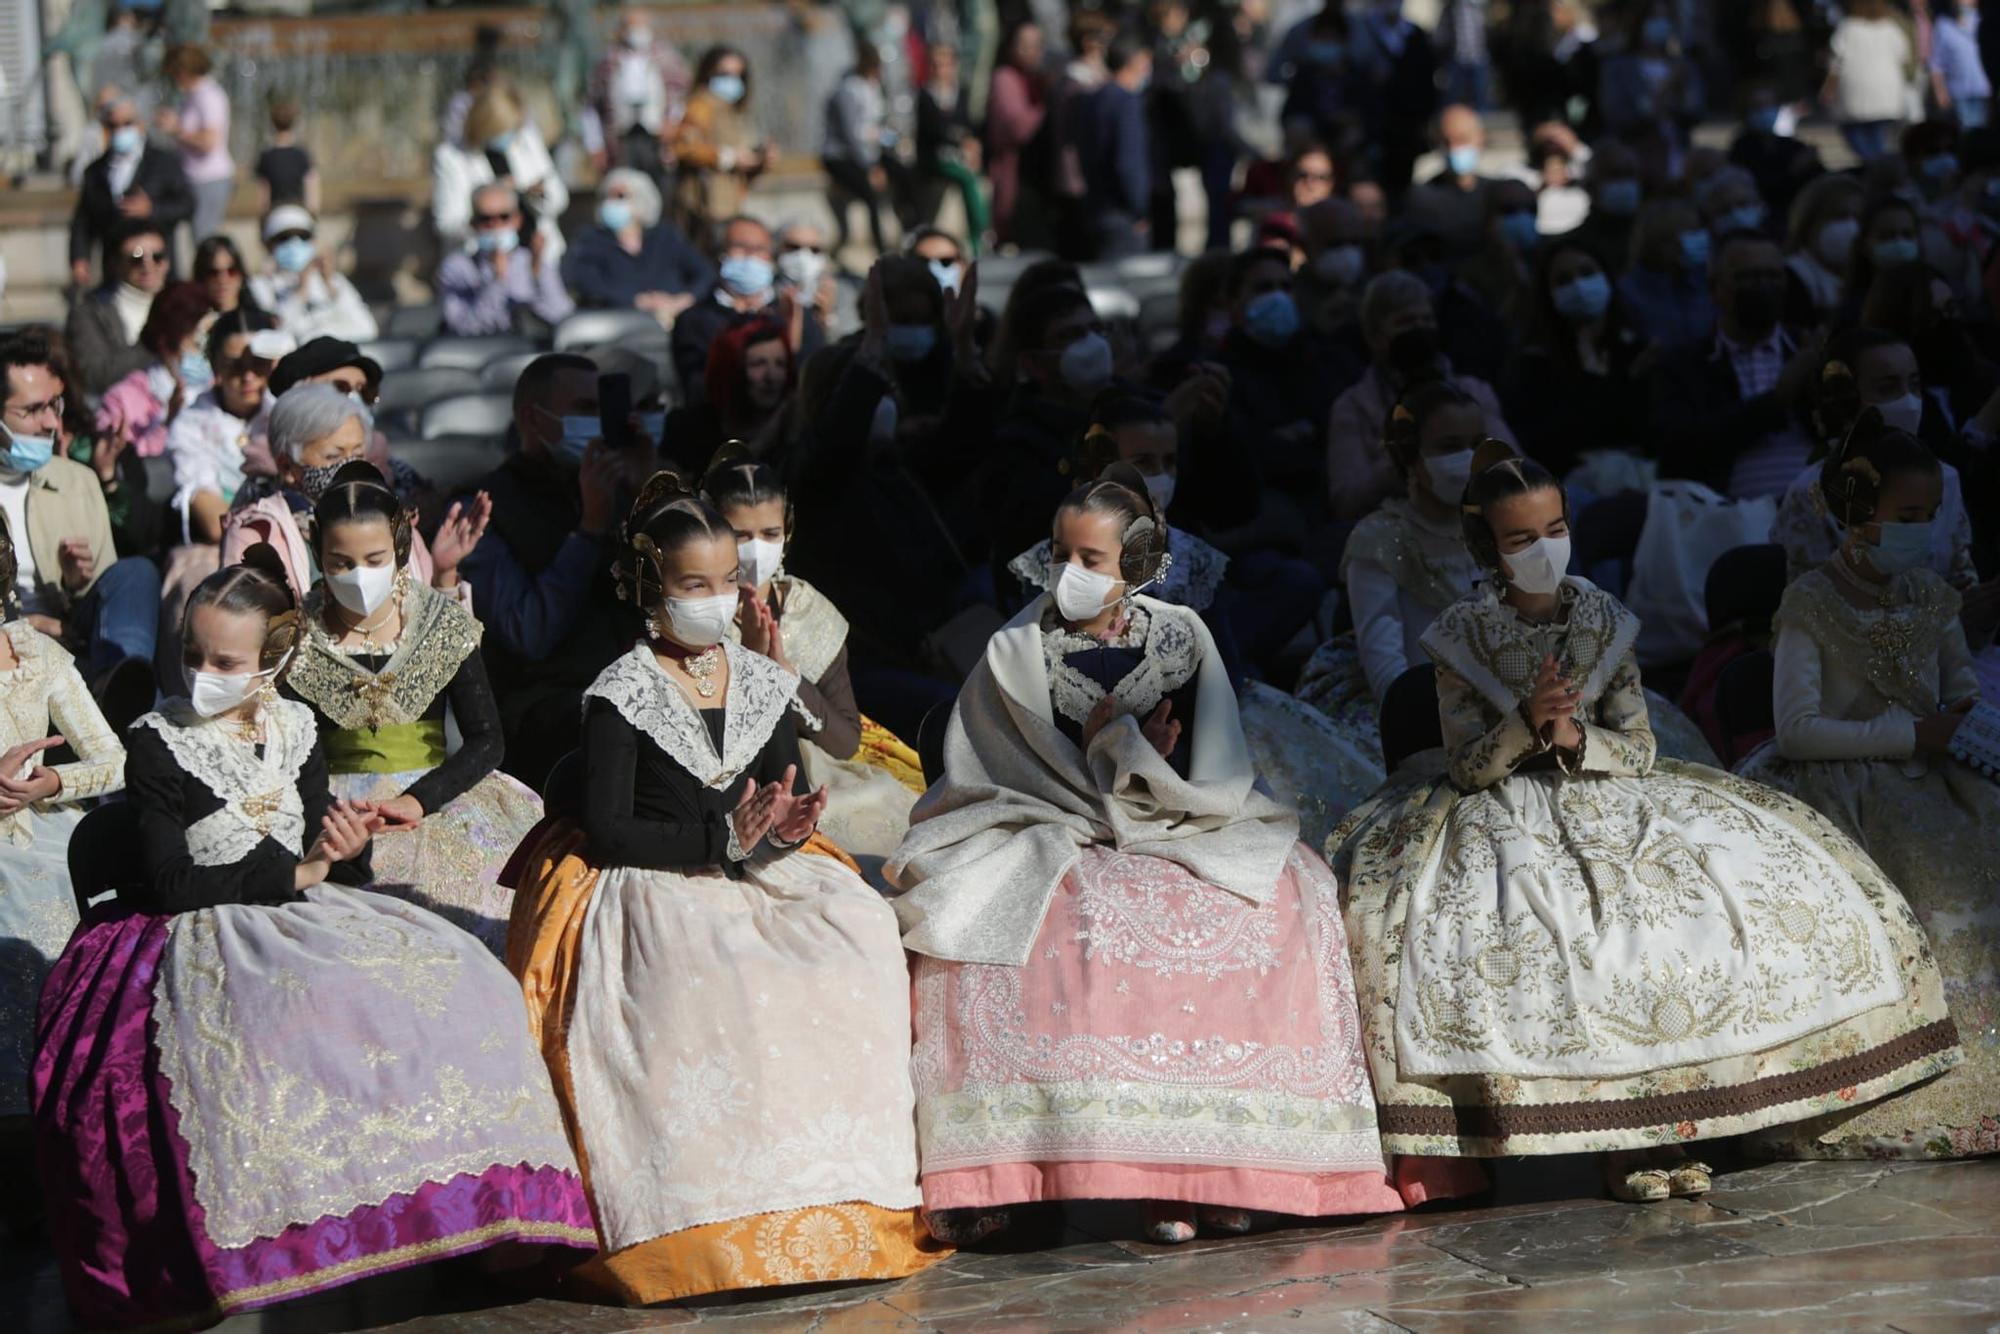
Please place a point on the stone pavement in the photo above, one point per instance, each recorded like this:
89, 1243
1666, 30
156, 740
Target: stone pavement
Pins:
1819, 1246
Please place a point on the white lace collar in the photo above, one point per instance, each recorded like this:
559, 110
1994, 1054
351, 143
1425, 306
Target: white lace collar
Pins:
1192, 578
259, 793
1170, 657
1499, 653
760, 692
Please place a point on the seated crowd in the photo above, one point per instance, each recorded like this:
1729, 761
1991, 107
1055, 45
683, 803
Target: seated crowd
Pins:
884, 752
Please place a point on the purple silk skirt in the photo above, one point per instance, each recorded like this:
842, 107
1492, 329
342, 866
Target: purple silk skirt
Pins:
122, 1210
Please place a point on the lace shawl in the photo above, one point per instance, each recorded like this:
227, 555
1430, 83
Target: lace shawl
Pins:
1499, 652
259, 794
1172, 657
760, 691
1895, 647
438, 636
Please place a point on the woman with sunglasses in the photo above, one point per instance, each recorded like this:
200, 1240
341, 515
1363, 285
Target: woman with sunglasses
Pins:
219, 268
222, 438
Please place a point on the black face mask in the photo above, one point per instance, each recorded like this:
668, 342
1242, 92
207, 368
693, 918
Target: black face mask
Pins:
1757, 309
1413, 354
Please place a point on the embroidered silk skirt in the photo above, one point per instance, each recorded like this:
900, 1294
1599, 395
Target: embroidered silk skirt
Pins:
1308, 761
1560, 965
37, 914
1166, 1040
733, 1061
243, 1105
450, 863
1937, 837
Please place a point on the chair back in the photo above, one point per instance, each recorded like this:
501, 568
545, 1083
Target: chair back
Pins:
104, 852
1410, 715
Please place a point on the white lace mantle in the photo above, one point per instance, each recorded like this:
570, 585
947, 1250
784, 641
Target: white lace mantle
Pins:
1191, 580
1498, 653
260, 794
1172, 657
760, 692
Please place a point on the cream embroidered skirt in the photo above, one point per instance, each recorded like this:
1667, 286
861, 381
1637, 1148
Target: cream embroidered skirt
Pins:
1557, 965
37, 914
1936, 835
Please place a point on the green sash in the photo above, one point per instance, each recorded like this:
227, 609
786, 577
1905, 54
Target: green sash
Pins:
396, 749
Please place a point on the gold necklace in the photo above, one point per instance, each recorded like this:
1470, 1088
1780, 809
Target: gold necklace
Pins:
700, 669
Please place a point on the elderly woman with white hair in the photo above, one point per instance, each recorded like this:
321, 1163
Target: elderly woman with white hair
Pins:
314, 429
633, 258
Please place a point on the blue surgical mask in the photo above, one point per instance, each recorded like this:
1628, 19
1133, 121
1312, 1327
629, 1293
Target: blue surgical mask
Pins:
1583, 298
1939, 165
1903, 547
577, 433
1519, 230
1272, 319
25, 453
500, 143
1324, 54
127, 140
294, 255
911, 342
615, 215
746, 275
728, 87
501, 242
1619, 198
1463, 160
1657, 30
1764, 120
1694, 249
1744, 218
196, 373
1896, 251
948, 276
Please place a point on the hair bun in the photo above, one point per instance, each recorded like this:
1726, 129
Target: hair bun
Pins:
263, 558
733, 454
1125, 475
358, 472
1491, 452
662, 488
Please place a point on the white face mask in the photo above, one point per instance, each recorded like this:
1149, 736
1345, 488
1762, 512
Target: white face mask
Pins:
363, 589
1540, 566
1160, 486
802, 269
758, 561
212, 693
701, 622
1079, 593
1903, 414
1449, 474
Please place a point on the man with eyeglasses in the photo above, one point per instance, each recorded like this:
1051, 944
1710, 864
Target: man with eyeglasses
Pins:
132, 180
70, 583
498, 285
103, 328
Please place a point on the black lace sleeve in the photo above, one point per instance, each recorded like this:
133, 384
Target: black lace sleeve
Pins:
670, 824
162, 794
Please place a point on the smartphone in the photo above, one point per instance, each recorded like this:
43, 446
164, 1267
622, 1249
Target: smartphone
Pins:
614, 409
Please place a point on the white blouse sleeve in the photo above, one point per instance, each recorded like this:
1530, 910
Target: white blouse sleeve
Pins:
1804, 733
1957, 679
1378, 626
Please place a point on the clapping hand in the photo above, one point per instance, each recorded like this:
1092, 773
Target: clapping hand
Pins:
755, 814
19, 789
760, 627
464, 524
1934, 733
1163, 731
344, 832
79, 566
1552, 706
798, 816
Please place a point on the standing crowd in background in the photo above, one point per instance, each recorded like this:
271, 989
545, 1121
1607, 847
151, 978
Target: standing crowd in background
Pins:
739, 766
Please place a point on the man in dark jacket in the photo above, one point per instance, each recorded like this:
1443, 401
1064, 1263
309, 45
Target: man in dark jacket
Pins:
745, 289
1728, 408
103, 329
1115, 148
132, 180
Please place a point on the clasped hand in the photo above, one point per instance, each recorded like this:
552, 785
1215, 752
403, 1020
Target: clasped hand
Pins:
20, 790
1552, 707
1161, 730
775, 809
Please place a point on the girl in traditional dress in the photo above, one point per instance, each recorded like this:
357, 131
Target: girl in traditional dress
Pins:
40, 804
1407, 561
252, 1082
1133, 982
1568, 945
1308, 764
872, 778
723, 1000
1872, 680
381, 658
